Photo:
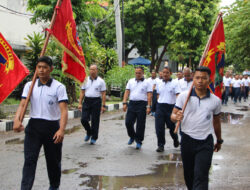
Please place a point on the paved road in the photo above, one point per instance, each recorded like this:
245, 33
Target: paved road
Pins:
112, 165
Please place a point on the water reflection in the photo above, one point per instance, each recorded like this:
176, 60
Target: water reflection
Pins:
165, 176
231, 118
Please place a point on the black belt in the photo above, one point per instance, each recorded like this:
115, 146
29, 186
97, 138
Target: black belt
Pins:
92, 98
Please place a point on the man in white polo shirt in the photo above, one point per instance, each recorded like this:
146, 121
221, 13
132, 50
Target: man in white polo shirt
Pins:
94, 92
227, 87
236, 84
200, 119
139, 92
152, 80
49, 114
167, 90
186, 82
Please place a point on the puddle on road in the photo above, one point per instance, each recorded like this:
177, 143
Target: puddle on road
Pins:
244, 108
164, 176
231, 118
69, 171
14, 141
171, 157
73, 129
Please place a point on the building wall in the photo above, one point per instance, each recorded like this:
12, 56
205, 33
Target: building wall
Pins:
15, 27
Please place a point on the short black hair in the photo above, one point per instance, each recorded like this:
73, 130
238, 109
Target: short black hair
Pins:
46, 60
140, 67
168, 68
203, 69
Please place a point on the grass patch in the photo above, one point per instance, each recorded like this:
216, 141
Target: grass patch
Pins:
10, 101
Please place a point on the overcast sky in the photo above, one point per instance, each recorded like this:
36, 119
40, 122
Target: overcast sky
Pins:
226, 2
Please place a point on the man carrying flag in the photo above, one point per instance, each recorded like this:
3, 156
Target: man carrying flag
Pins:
200, 119
198, 110
12, 71
49, 115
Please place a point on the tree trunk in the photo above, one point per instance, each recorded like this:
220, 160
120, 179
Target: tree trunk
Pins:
152, 65
158, 64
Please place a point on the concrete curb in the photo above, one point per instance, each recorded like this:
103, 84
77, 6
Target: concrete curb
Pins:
7, 125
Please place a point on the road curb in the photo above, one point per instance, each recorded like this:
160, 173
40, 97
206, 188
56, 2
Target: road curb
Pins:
7, 125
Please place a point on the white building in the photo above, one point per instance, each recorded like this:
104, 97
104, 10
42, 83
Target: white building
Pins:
15, 24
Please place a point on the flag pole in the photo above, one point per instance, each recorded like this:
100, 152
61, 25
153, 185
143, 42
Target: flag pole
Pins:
201, 61
41, 54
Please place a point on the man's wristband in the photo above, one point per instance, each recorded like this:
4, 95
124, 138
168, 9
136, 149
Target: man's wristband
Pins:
104, 105
220, 141
125, 103
148, 106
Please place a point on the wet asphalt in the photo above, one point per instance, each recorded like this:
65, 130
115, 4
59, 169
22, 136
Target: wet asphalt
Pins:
112, 164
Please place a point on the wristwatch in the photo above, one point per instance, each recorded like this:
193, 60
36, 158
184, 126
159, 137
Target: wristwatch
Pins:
104, 105
220, 141
148, 106
125, 103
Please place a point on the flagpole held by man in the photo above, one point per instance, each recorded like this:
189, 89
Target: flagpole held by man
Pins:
213, 58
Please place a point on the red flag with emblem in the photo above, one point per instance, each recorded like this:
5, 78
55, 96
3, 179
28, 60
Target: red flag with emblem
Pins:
12, 70
65, 33
215, 59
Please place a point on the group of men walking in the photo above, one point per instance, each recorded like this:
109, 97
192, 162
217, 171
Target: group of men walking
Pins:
235, 86
163, 97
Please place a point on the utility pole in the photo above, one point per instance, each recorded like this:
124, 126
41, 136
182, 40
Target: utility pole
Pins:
118, 31
123, 36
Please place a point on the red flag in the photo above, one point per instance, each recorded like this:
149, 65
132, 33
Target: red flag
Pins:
64, 31
12, 70
215, 59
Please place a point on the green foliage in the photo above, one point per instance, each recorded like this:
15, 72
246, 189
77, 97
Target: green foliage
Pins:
35, 43
10, 101
119, 76
83, 11
237, 30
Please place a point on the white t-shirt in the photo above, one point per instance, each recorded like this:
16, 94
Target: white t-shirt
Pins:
138, 89
152, 81
93, 88
45, 99
184, 84
246, 82
167, 91
198, 115
227, 81
236, 83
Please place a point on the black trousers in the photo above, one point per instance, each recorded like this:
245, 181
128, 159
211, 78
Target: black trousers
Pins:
136, 113
91, 110
154, 101
162, 118
246, 92
196, 158
37, 133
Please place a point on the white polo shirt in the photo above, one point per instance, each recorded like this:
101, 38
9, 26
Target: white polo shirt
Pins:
227, 81
138, 89
93, 88
198, 115
152, 81
236, 83
184, 84
246, 82
158, 80
45, 99
167, 91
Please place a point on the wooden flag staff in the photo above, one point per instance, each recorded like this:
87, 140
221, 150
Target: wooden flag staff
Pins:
23, 111
201, 61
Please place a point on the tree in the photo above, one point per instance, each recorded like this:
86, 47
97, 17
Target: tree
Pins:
180, 27
86, 14
237, 30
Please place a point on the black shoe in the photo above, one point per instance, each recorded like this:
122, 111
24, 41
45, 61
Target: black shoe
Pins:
176, 143
160, 149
